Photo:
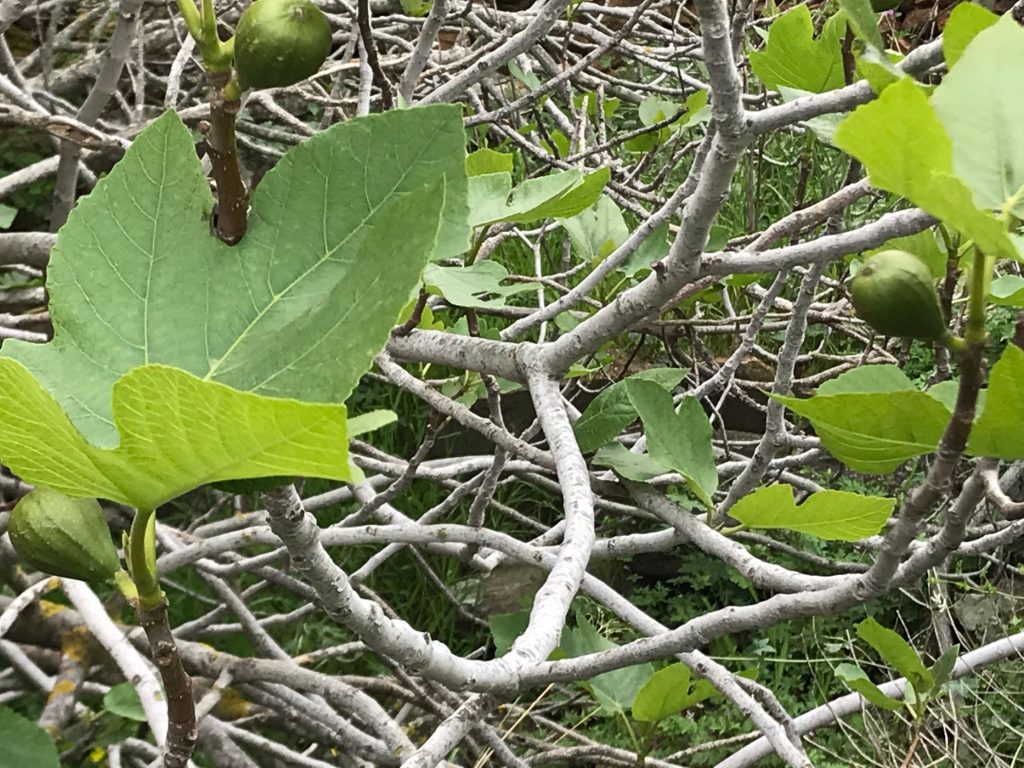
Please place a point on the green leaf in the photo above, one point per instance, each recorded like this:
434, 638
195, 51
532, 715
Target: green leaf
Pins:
338, 234
995, 433
824, 126
962, 26
943, 668
7, 214
900, 140
616, 690
416, 8
655, 109
123, 701
638, 467
25, 743
897, 653
663, 695
697, 111
945, 392
856, 680
177, 432
485, 161
980, 107
793, 57
874, 432
832, 515
863, 20
879, 68
655, 247
1007, 290
369, 422
702, 690
597, 231
478, 285
612, 411
680, 441
868, 378
506, 628
565, 193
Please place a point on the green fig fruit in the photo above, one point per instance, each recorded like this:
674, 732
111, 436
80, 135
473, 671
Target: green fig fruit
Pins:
63, 536
895, 294
280, 42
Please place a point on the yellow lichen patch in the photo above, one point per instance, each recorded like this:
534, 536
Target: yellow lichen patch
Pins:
49, 608
76, 644
232, 705
61, 688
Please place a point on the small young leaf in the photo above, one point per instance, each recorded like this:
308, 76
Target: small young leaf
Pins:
478, 285
681, 441
505, 628
943, 668
24, 743
638, 467
833, 515
123, 701
598, 230
615, 691
611, 411
856, 680
795, 59
7, 214
897, 653
663, 695
557, 195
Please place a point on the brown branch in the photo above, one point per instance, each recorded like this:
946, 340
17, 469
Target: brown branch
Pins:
366, 34
232, 196
181, 708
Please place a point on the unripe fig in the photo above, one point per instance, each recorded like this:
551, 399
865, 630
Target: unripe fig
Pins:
280, 42
895, 294
63, 536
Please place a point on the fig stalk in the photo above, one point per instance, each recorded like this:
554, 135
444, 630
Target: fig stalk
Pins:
222, 149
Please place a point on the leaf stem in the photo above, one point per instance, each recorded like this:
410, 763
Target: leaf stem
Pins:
975, 332
202, 26
141, 557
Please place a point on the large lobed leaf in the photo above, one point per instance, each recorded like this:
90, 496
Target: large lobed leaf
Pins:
177, 432
834, 515
339, 233
959, 154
